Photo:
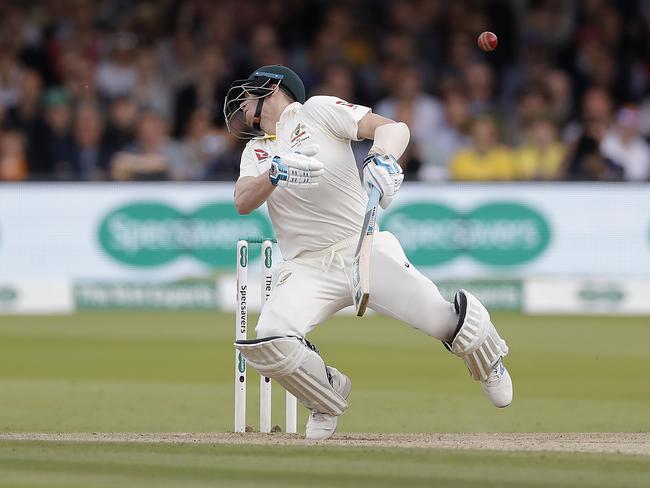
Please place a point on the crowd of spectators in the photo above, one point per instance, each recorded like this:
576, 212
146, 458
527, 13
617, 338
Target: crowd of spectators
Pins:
133, 90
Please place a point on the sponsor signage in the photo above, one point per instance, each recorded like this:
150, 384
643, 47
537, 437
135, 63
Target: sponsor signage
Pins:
587, 296
149, 296
494, 294
501, 233
166, 232
147, 234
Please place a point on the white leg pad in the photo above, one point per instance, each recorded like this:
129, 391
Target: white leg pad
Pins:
298, 367
476, 341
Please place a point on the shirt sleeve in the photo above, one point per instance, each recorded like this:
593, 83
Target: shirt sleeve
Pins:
339, 117
248, 165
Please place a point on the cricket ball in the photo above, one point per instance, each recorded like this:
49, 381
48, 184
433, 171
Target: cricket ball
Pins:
487, 41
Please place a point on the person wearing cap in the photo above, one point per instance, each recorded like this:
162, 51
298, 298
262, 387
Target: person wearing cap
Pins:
299, 161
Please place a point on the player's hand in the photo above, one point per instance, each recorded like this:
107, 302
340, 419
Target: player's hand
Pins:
382, 172
297, 169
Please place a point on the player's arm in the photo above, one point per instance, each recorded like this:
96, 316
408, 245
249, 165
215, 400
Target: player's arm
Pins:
252, 191
380, 168
292, 170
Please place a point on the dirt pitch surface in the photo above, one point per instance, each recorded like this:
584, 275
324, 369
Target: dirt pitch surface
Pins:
616, 443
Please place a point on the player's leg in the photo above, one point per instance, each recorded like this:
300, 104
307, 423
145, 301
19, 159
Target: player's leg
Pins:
399, 290
304, 295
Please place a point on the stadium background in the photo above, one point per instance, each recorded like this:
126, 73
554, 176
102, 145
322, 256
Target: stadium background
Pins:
527, 183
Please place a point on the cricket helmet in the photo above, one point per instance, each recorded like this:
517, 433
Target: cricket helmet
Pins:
259, 85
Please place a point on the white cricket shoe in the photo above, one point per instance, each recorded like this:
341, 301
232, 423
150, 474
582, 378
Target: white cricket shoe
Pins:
498, 386
320, 425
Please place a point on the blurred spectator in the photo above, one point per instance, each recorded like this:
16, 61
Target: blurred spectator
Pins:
479, 79
13, 161
541, 156
422, 112
558, 87
79, 77
585, 160
27, 117
595, 115
645, 117
178, 59
117, 75
337, 82
443, 143
154, 156
533, 101
121, 125
58, 115
150, 89
485, 159
461, 54
207, 89
10, 75
626, 148
205, 145
88, 157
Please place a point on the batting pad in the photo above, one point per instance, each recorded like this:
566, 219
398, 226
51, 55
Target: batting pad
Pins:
297, 367
477, 340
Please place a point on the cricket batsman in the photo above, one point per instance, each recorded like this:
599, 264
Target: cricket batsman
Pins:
300, 162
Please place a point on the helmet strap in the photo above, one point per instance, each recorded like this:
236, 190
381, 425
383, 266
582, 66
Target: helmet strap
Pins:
258, 114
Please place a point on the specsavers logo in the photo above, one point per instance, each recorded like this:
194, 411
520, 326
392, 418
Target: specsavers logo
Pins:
147, 234
7, 295
498, 233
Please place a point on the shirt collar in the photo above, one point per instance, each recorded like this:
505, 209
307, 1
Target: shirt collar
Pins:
289, 109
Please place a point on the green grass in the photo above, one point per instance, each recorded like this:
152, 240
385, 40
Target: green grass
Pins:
166, 372
173, 372
100, 465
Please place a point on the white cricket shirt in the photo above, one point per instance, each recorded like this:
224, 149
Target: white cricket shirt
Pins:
315, 218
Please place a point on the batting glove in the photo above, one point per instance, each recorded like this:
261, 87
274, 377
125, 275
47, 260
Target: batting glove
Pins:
382, 172
297, 169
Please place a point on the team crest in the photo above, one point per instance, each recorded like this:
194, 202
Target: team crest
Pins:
298, 132
298, 135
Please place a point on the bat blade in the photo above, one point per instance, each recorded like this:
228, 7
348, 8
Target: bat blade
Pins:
361, 263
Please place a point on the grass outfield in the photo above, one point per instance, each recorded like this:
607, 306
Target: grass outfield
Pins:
163, 372
172, 372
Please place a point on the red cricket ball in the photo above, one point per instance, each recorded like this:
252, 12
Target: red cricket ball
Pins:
487, 41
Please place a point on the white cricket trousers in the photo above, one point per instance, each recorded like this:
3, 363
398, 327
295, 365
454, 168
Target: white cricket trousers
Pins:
312, 287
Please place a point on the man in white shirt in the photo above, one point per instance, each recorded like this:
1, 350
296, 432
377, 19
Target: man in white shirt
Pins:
299, 161
625, 147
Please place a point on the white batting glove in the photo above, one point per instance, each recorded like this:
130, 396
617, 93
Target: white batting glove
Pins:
382, 172
297, 169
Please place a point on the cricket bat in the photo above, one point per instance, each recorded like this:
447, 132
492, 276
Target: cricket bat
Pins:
361, 263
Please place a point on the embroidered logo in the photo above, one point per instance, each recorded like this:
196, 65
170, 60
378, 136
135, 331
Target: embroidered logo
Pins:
346, 104
282, 279
261, 155
297, 132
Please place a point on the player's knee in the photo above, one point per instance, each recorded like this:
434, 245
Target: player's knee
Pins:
272, 330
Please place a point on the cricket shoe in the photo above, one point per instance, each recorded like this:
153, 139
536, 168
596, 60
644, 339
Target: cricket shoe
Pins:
321, 426
498, 386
